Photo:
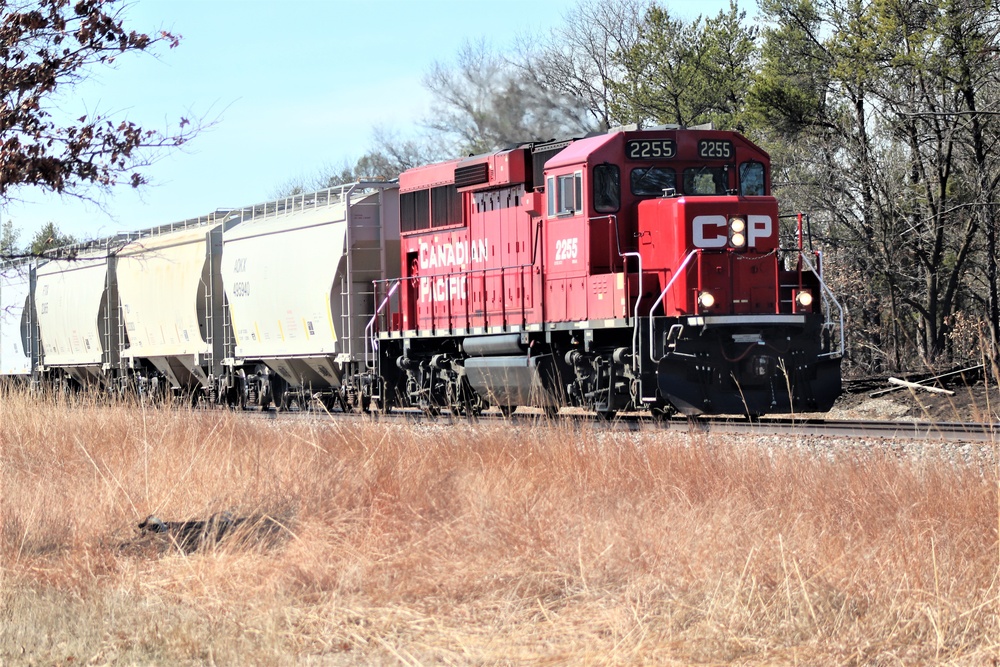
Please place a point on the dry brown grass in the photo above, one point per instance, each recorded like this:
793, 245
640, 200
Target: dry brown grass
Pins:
483, 544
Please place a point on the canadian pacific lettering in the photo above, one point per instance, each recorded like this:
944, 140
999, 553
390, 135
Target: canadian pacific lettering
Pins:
454, 255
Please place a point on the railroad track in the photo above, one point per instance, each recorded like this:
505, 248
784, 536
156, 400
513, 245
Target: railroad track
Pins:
890, 430
896, 430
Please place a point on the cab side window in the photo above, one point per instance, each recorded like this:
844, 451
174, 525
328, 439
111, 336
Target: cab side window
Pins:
565, 194
607, 188
752, 179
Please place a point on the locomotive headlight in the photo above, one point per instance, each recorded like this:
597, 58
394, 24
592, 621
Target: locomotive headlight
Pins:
737, 232
804, 299
706, 300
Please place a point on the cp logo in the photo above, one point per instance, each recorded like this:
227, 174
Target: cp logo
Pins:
712, 231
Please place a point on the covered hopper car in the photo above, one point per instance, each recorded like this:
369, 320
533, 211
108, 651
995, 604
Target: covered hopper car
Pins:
259, 305
630, 270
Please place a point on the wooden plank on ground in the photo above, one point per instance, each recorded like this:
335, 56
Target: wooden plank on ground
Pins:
914, 385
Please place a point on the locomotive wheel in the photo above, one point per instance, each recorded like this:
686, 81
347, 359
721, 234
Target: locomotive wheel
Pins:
661, 413
388, 398
474, 406
464, 402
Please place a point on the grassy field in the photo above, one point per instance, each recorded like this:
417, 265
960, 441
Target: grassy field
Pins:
483, 544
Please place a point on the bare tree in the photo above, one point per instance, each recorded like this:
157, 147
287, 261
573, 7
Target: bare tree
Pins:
482, 102
389, 155
46, 47
580, 61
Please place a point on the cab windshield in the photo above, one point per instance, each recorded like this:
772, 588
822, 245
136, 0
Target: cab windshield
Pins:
652, 181
705, 181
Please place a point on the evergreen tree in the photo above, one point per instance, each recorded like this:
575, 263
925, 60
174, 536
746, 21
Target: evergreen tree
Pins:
48, 238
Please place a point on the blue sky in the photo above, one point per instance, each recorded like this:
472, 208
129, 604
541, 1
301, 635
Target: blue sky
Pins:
294, 85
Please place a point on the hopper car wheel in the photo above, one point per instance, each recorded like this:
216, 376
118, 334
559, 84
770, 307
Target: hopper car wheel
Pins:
606, 415
235, 398
344, 400
507, 410
264, 399
293, 402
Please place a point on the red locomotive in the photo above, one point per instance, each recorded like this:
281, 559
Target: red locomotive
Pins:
622, 271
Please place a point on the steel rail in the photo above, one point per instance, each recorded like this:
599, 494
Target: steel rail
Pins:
925, 431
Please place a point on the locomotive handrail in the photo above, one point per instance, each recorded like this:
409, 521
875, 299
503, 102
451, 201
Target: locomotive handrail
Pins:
370, 341
670, 283
636, 357
469, 274
830, 295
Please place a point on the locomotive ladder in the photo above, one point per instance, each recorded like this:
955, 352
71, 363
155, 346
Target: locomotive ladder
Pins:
679, 272
828, 298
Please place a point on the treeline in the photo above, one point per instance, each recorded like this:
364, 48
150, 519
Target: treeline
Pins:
46, 238
880, 117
